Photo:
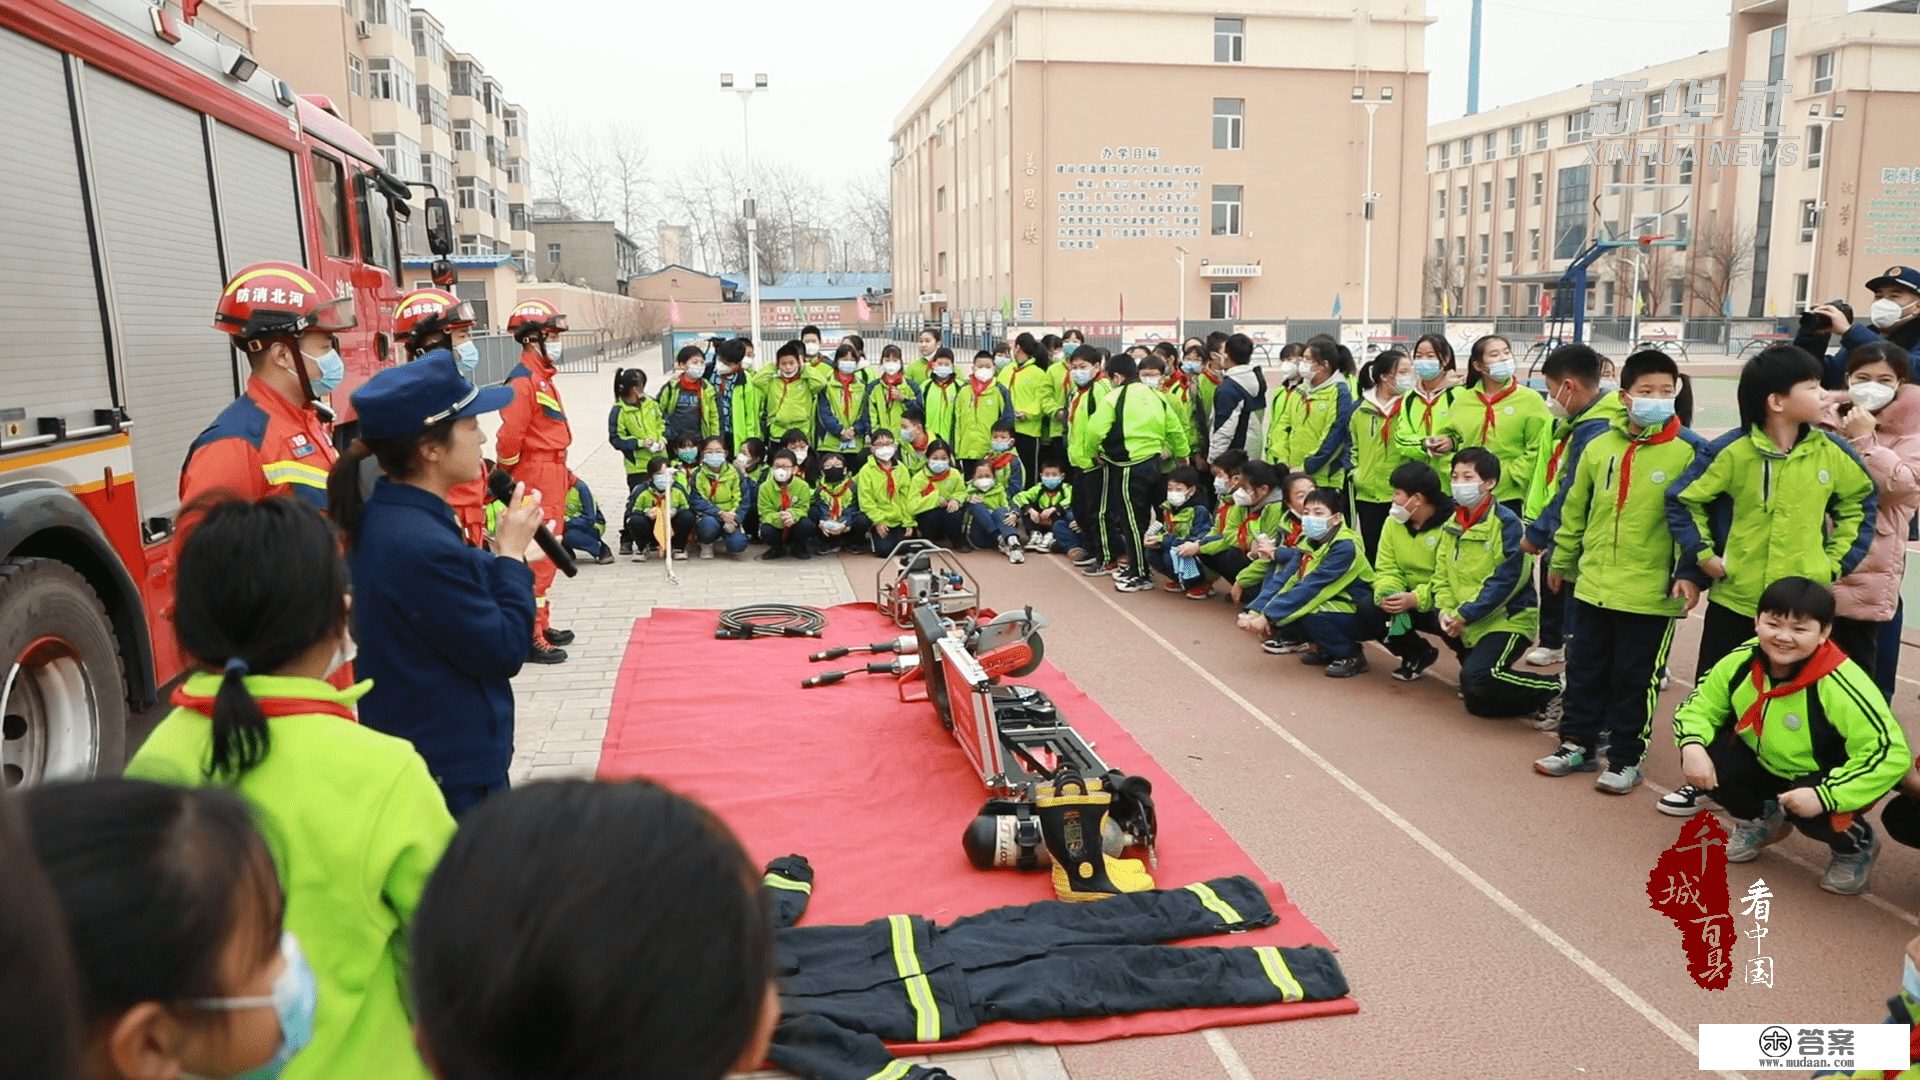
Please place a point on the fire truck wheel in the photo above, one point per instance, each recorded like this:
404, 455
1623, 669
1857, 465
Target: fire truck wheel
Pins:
63, 706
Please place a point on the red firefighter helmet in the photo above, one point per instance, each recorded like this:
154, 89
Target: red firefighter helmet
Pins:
535, 314
430, 311
275, 298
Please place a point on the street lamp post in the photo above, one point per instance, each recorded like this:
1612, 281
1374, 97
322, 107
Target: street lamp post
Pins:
1825, 127
1181, 258
753, 221
1368, 199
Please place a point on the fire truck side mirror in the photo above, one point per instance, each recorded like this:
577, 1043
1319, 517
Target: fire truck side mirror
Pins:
439, 226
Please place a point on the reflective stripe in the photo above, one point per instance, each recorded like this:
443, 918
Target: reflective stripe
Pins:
294, 472
548, 400
1277, 971
514, 460
775, 881
1213, 903
895, 1071
926, 1012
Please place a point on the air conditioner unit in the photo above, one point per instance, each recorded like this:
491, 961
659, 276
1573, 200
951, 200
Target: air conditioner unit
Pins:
363, 30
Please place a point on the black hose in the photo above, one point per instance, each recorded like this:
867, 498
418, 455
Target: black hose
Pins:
770, 620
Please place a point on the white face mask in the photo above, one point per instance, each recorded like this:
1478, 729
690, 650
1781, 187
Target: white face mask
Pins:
1467, 493
812, 348
1176, 498
1884, 313
1400, 513
1242, 497
890, 367
1288, 371
1405, 384
1871, 396
848, 367
884, 453
1554, 406
984, 483
782, 475
800, 454
981, 375
1152, 380
1500, 371
554, 350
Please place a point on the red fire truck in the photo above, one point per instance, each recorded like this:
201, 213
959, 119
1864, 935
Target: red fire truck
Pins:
142, 162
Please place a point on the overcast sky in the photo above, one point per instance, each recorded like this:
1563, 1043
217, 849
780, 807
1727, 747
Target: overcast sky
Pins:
842, 69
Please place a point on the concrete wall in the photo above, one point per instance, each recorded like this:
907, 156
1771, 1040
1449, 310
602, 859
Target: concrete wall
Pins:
587, 251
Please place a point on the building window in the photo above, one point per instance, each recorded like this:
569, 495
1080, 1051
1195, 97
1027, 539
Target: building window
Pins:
1223, 300
516, 171
400, 154
1539, 188
1479, 299
1823, 73
1506, 246
1816, 145
428, 44
1577, 125
1460, 250
1540, 135
553, 254
1466, 151
432, 107
1226, 209
517, 217
1533, 299
1681, 223
463, 136
460, 78
1647, 171
1514, 141
1439, 251
940, 267
1570, 210
356, 78
438, 171
1676, 297
1446, 155
1486, 196
1656, 103
1513, 191
1533, 244
1809, 221
1440, 207
1506, 296
1607, 298
1490, 146
1227, 117
1800, 298
1486, 246
1460, 207
510, 124
1686, 164
390, 80
1229, 41
940, 198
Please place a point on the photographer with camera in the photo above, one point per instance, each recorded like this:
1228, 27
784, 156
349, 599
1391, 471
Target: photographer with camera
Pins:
1894, 316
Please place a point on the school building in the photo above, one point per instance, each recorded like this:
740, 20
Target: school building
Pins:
1118, 160
1781, 167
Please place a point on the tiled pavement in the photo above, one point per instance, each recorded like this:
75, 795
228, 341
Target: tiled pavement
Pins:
561, 711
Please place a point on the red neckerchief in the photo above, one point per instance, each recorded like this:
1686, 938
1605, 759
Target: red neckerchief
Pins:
1386, 421
1560, 447
713, 482
1665, 435
920, 447
1220, 526
834, 496
1469, 520
690, 383
269, 706
846, 392
979, 388
1177, 377
1212, 376
786, 495
1821, 664
1293, 535
1001, 462
1079, 394
1244, 541
888, 469
1490, 402
891, 382
1426, 418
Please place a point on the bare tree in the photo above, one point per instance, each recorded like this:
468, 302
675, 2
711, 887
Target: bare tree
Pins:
1446, 281
624, 160
1718, 256
865, 222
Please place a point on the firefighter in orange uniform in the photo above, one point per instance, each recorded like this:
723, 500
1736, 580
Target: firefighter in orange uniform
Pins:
532, 442
428, 321
275, 439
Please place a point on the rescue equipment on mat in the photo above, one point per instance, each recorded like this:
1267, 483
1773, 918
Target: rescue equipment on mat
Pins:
903, 644
1073, 817
896, 667
922, 572
770, 620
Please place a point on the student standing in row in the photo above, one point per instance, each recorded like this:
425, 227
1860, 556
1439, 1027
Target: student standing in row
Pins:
1505, 417
1384, 385
1423, 430
1582, 411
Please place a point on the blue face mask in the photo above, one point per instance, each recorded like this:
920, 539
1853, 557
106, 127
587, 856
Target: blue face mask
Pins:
1316, 528
1651, 411
661, 481
467, 355
1082, 376
1051, 482
715, 460
938, 467
1001, 446
332, 370
1426, 367
294, 997
687, 455
1467, 493
1191, 367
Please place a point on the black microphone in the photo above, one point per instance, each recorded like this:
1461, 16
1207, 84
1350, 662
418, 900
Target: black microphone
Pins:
500, 486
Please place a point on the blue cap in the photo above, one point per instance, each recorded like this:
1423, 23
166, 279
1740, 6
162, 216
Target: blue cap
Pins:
1904, 276
413, 397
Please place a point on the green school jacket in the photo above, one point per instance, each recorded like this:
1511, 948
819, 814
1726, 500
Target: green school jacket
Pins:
843, 398
1037, 497
1180, 399
789, 404
1839, 725
1807, 512
669, 395
1319, 437
948, 485
1550, 465
976, 410
355, 824
1375, 453
1483, 577
744, 409
1035, 392
1145, 434
884, 402
1420, 418
835, 501
644, 424
1613, 542
799, 500
1242, 523
1520, 425
941, 403
890, 497
1082, 405
722, 487
645, 498
1283, 412
1323, 578
1406, 559
994, 498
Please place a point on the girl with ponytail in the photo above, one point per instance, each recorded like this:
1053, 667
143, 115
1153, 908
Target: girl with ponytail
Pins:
352, 817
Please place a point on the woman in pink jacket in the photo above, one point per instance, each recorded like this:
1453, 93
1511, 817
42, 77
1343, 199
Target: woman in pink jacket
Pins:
1879, 414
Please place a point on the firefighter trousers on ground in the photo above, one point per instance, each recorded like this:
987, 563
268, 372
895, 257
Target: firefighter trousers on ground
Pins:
844, 989
547, 475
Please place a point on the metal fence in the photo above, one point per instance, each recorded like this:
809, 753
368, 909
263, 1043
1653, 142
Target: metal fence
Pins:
582, 352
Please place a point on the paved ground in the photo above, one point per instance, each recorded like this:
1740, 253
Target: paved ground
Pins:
1493, 922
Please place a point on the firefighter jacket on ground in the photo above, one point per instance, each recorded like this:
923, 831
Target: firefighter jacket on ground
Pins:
260, 445
844, 989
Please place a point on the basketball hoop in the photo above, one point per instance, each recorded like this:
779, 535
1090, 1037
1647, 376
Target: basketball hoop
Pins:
1648, 241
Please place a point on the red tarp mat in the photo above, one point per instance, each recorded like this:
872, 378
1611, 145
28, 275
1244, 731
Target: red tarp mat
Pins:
875, 793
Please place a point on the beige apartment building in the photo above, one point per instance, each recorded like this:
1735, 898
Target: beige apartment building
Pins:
1785, 161
1059, 159
433, 111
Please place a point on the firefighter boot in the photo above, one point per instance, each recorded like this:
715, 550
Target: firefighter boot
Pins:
1072, 823
542, 650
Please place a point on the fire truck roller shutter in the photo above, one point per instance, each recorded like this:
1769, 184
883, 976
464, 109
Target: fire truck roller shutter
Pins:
163, 258
259, 209
55, 359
